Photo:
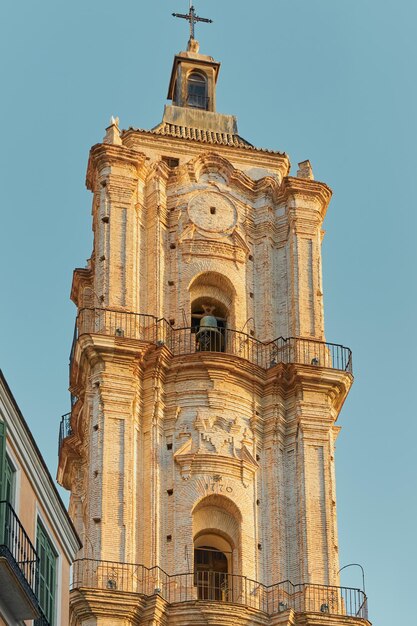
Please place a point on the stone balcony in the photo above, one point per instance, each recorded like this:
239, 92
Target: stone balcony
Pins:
184, 341
19, 569
330, 603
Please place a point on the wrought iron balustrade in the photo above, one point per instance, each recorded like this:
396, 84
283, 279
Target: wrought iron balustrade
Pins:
17, 547
218, 587
65, 429
183, 341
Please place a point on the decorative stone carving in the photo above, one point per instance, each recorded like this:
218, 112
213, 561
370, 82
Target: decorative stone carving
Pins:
212, 213
216, 442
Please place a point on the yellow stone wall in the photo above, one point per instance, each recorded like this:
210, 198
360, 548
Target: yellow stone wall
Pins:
167, 448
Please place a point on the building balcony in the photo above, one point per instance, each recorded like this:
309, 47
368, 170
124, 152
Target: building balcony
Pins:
185, 341
65, 429
19, 569
216, 587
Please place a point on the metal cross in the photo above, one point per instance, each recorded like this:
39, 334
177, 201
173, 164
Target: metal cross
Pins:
193, 19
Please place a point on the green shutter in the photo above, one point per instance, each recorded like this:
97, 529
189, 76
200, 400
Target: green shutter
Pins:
9, 481
2, 478
46, 588
2, 459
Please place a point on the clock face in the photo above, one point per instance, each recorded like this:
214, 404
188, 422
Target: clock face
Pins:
212, 212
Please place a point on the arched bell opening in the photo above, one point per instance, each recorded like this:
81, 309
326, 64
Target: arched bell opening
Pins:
197, 91
212, 303
209, 322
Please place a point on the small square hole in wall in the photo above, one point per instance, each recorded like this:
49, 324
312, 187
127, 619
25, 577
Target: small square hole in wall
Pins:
170, 492
250, 257
258, 458
258, 502
171, 161
252, 332
172, 246
213, 210
172, 321
171, 283
251, 295
169, 446
169, 538
259, 546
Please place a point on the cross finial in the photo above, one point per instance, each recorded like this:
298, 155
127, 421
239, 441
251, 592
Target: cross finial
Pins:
193, 19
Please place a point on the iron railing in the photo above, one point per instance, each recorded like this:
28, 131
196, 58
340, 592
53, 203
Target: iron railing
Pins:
15, 544
65, 429
183, 341
219, 587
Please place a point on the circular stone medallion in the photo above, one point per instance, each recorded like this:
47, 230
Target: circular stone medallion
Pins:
212, 212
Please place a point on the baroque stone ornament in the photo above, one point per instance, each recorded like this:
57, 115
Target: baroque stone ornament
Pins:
212, 213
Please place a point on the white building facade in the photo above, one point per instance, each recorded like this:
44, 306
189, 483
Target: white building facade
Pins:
37, 539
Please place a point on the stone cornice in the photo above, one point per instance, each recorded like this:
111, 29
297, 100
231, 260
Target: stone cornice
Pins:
97, 348
218, 365
323, 619
87, 602
334, 384
212, 161
193, 463
108, 155
309, 189
82, 277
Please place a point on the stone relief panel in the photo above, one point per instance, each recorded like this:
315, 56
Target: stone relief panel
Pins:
219, 435
211, 223
212, 213
206, 441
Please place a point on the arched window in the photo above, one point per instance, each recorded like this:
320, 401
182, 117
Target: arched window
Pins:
197, 91
216, 533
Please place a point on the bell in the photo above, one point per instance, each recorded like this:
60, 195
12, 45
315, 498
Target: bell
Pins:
209, 337
208, 321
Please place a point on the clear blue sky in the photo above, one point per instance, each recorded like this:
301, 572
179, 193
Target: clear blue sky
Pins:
328, 80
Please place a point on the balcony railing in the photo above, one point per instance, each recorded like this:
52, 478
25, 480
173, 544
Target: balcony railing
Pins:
65, 429
17, 545
23, 559
219, 587
184, 341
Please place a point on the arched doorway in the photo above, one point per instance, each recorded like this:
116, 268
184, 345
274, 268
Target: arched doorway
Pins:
217, 548
212, 567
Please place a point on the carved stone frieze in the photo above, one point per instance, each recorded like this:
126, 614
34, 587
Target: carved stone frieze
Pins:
215, 442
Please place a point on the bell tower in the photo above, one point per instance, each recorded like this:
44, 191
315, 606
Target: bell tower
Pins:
199, 451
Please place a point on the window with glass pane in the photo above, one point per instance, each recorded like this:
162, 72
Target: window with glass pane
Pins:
46, 587
197, 91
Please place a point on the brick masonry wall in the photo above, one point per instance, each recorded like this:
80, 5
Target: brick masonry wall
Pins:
172, 448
